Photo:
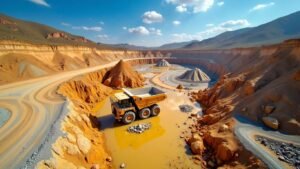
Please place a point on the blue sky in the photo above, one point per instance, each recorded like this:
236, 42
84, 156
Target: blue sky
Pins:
148, 22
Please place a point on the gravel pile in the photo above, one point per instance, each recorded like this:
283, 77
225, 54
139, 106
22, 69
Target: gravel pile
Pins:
286, 152
139, 128
186, 108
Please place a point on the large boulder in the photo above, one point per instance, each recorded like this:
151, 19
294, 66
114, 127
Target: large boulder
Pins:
211, 118
196, 144
271, 122
223, 128
224, 152
83, 143
70, 148
223, 147
197, 147
193, 138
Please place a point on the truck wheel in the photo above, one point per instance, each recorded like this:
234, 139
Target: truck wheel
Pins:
155, 110
144, 113
128, 117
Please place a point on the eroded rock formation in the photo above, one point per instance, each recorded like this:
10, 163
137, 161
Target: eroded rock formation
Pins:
123, 75
266, 90
20, 61
87, 92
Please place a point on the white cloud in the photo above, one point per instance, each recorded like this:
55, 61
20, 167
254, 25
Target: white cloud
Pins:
124, 28
184, 37
150, 17
176, 23
209, 25
203, 6
196, 5
86, 28
261, 6
155, 31
65, 24
40, 2
235, 23
220, 3
104, 36
141, 30
181, 8
212, 30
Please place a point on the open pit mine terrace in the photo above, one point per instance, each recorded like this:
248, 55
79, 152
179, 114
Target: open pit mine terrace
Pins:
40, 127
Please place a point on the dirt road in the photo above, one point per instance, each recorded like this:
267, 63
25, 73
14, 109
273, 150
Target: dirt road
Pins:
245, 130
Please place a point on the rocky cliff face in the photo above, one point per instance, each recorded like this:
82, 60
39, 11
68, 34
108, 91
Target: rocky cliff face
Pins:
261, 84
257, 78
19, 61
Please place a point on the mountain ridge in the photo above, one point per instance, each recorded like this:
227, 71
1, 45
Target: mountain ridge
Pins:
275, 31
14, 29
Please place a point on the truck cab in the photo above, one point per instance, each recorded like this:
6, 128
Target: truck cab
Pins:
141, 102
120, 105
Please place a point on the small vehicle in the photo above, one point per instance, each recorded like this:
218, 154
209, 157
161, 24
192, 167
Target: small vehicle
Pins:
141, 102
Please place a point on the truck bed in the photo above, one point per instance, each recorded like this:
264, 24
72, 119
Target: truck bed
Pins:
145, 97
143, 92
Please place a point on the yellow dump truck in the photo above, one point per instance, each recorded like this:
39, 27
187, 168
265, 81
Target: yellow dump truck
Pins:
141, 102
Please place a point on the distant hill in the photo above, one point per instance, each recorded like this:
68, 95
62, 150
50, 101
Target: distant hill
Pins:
167, 46
26, 31
130, 47
287, 27
176, 45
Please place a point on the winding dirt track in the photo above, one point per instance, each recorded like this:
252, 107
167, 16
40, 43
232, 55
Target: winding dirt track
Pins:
34, 106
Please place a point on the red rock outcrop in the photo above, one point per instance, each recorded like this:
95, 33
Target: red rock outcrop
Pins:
86, 92
264, 87
6, 22
224, 149
56, 35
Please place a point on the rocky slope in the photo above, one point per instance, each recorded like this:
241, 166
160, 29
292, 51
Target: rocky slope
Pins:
31, 32
123, 75
19, 60
86, 92
260, 83
83, 146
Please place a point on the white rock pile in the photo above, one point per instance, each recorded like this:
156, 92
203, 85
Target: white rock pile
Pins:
139, 128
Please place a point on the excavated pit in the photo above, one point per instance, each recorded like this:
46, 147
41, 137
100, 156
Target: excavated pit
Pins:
161, 146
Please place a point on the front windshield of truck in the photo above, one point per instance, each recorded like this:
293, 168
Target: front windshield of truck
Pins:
124, 103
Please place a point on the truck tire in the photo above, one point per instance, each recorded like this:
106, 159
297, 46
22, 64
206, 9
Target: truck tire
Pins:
128, 117
144, 113
155, 110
